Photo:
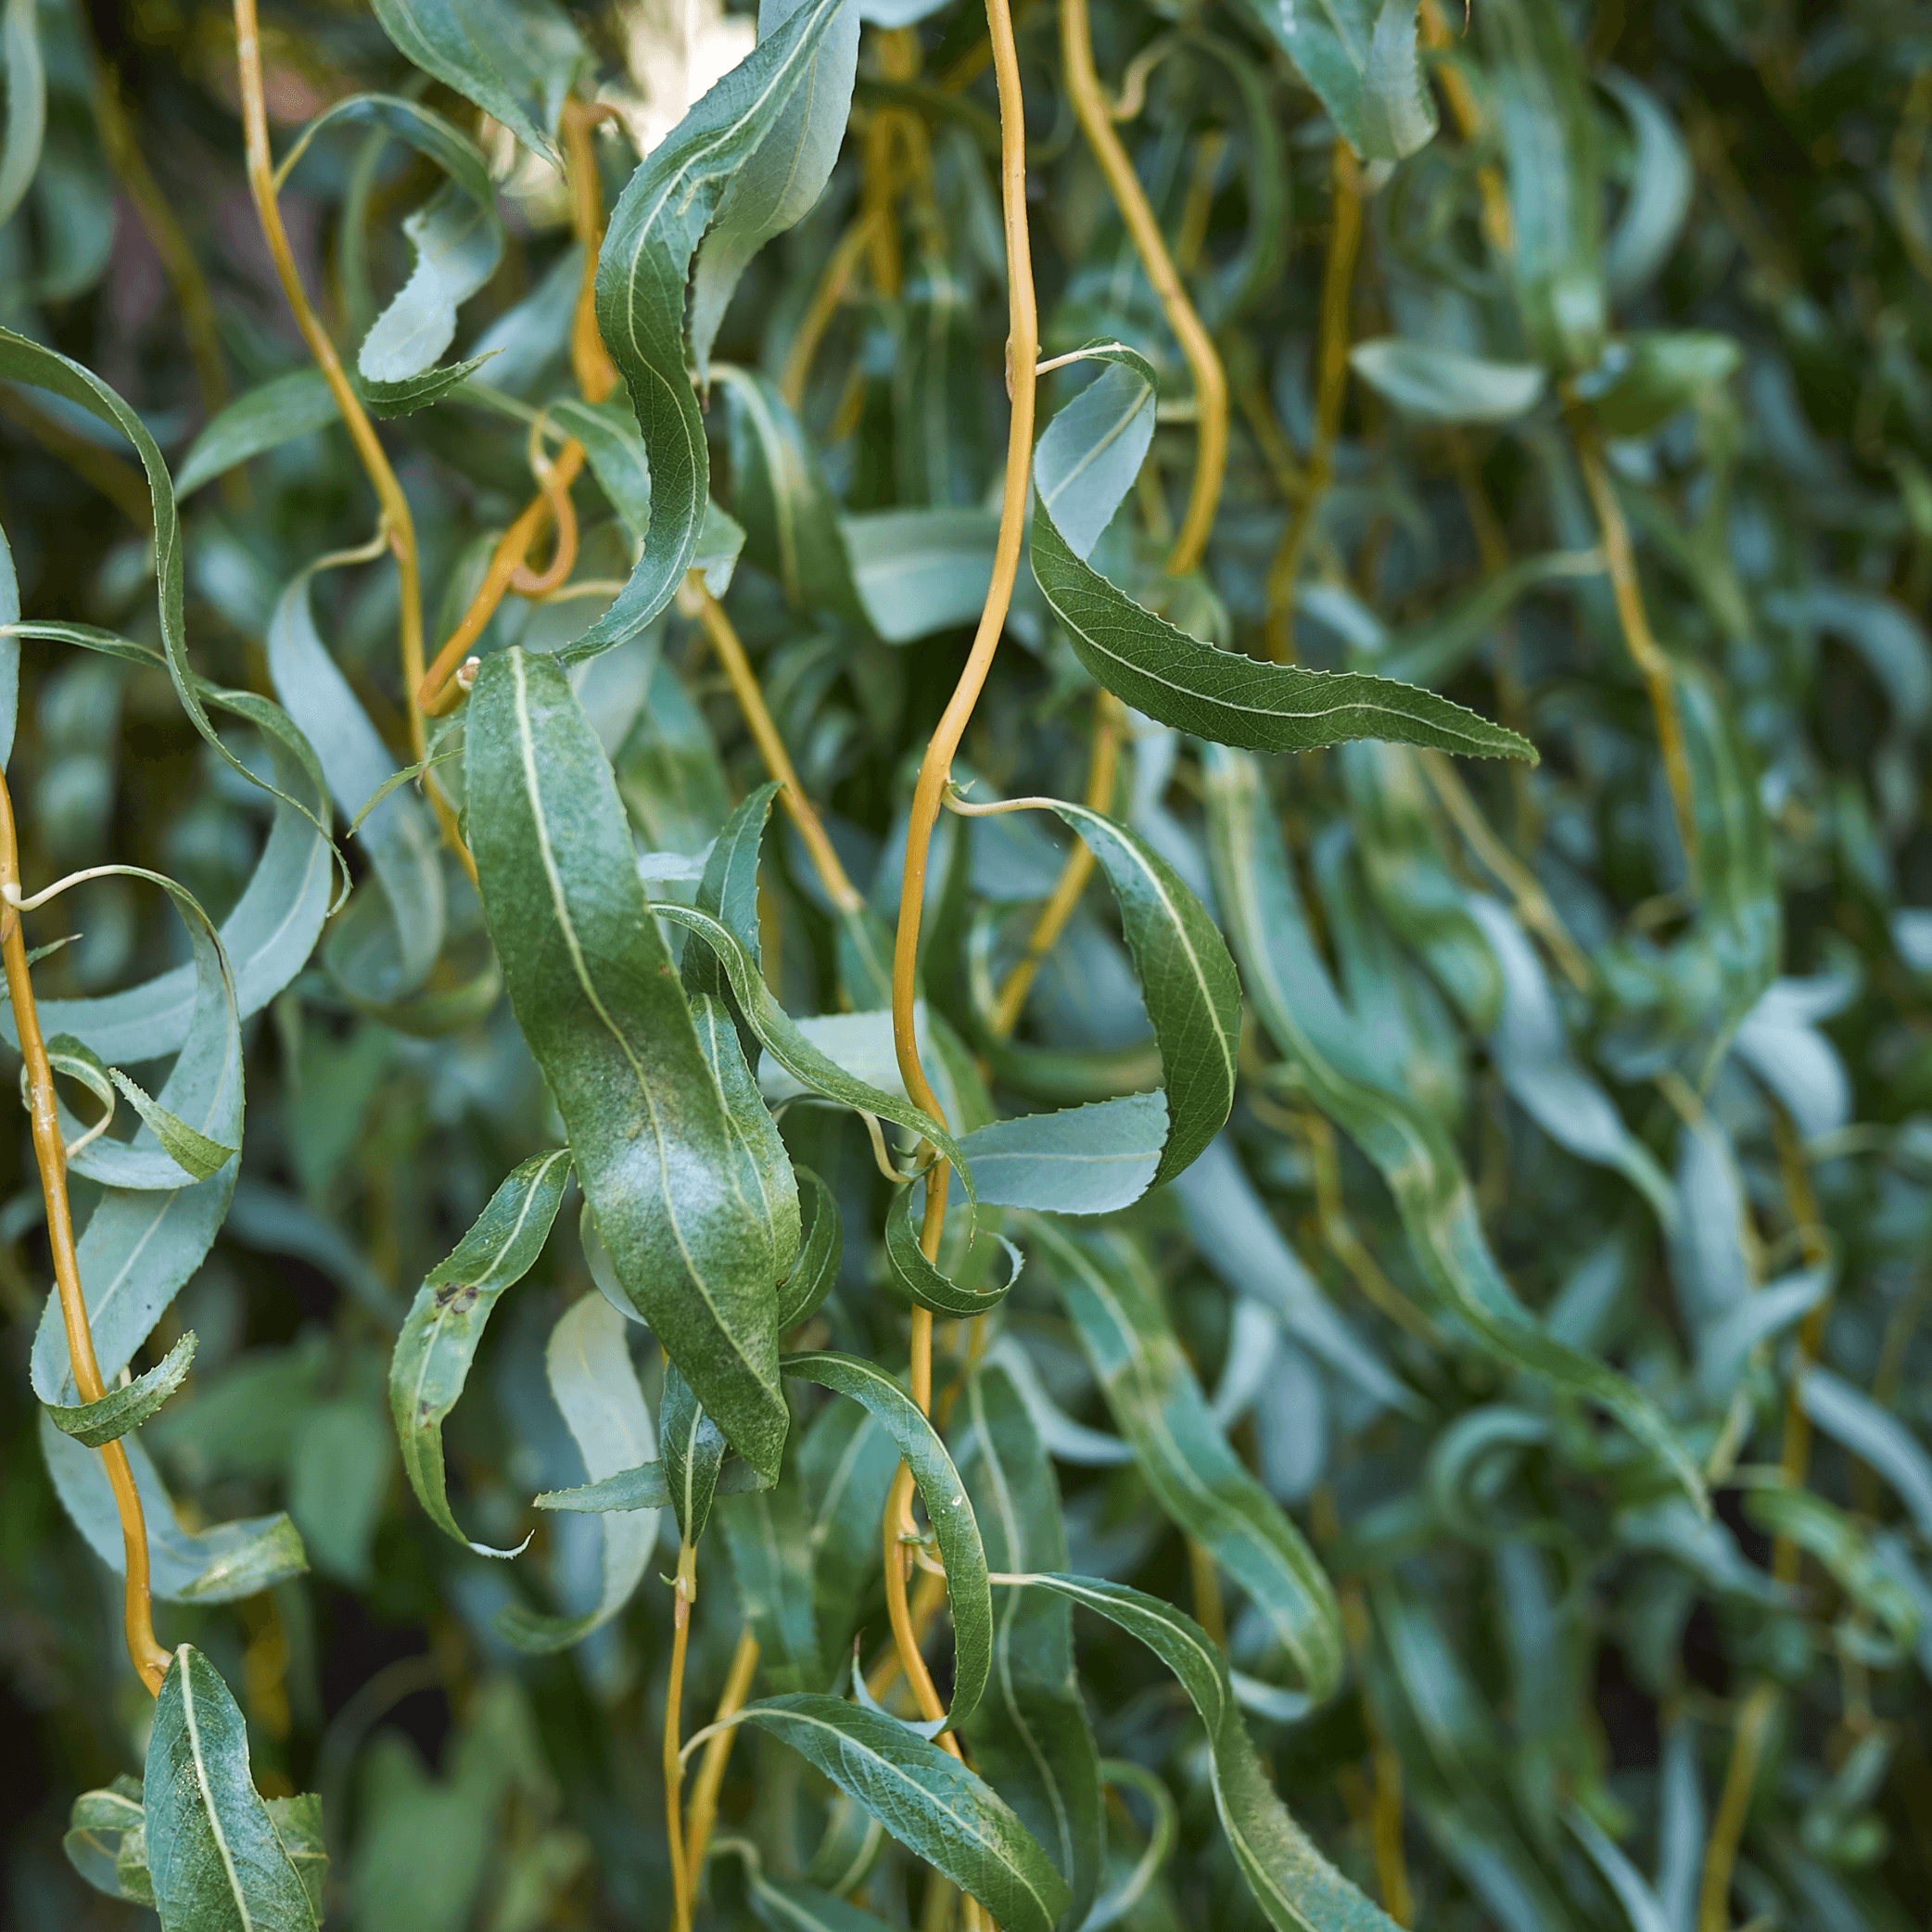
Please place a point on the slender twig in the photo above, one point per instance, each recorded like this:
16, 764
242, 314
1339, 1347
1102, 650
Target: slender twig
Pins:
694, 600
1653, 667
703, 1812
440, 690
1102, 766
388, 491
1754, 1722
686, 1588
1210, 383
50, 1155
1338, 281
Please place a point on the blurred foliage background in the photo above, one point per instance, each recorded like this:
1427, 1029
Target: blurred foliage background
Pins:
1649, 318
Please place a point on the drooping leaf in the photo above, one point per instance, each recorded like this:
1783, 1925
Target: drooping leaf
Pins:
954, 1525
693, 1449
1361, 60
1293, 1883
213, 1854
445, 1325
930, 1801
1234, 700
1439, 384
593, 989
669, 207
1158, 1407
96, 1423
262, 419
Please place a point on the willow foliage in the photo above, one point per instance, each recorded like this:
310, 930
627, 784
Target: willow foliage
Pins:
970, 966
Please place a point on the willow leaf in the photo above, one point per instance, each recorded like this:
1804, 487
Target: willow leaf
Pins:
1297, 1005
779, 1035
593, 989
954, 1525
262, 419
98, 1423
668, 209
445, 1323
1158, 1407
928, 1801
214, 1857
694, 1448
514, 59
26, 103
1235, 700
928, 1284
1030, 1736
587, 1363
821, 1251
1293, 1883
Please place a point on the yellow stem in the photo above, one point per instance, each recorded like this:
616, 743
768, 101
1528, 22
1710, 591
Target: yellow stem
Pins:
388, 491
1754, 1720
50, 1156
1653, 667
703, 1812
695, 600
1023, 355
824, 304
1205, 1582
1338, 280
687, 1590
1101, 773
1209, 384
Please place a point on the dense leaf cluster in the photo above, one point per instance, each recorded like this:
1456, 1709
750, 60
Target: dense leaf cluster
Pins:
728, 1260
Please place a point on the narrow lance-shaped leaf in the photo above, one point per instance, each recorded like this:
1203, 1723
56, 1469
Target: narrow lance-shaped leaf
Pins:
221, 1564
599, 1002
1158, 1405
954, 1525
120, 1410
643, 269
215, 1859
929, 1285
1297, 1005
1234, 700
445, 1323
1030, 1735
1293, 1883
588, 1366
693, 1449
516, 59
26, 103
927, 1799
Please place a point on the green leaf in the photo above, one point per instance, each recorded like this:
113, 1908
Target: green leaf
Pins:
99, 1423
768, 1538
26, 103
785, 1905
928, 1284
588, 1364
1662, 182
1235, 700
1361, 60
781, 1038
947, 1510
399, 835
152, 1223
1293, 1884
516, 59
1090, 1160
264, 418
1158, 1407
1645, 379
406, 396
645, 1487
1436, 384
215, 1858
783, 176
1548, 130
1826, 1532
821, 1253
444, 1328
107, 1841
1030, 1736
694, 1448
1296, 1004
1874, 1435
667, 210
921, 570
198, 1156
1088, 455
928, 1801
222, 1564
297, 1823
780, 495
593, 990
